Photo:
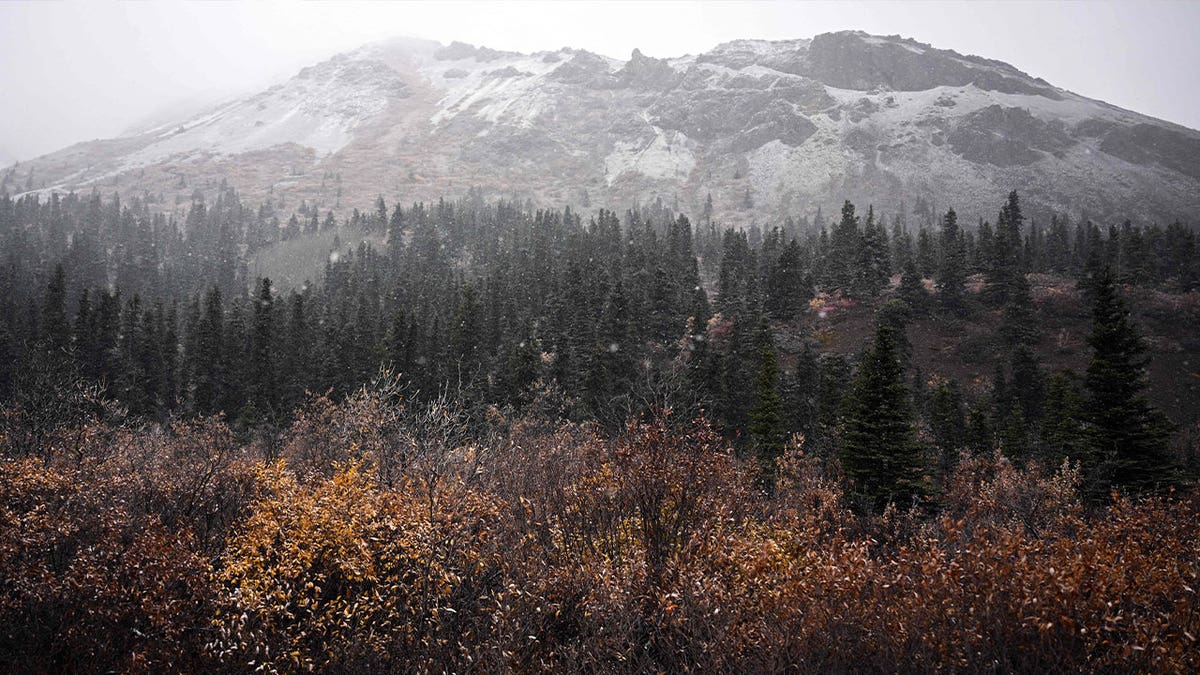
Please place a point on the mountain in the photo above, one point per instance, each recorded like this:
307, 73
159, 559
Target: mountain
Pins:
768, 128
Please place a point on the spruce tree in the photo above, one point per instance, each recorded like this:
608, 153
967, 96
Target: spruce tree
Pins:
1028, 384
843, 249
1128, 435
1064, 434
786, 288
208, 360
766, 418
952, 267
56, 331
1018, 327
1005, 264
947, 421
873, 271
879, 452
264, 381
912, 290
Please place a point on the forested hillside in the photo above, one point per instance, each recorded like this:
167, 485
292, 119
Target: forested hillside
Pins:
483, 434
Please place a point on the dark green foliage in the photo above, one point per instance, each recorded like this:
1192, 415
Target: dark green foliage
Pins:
208, 363
1027, 385
980, 437
873, 269
1128, 435
264, 373
843, 251
1004, 259
912, 290
926, 256
55, 331
896, 315
787, 290
833, 380
1018, 326
1064, 431
767, 428
503, 304
947, 422
951, 271
879, 452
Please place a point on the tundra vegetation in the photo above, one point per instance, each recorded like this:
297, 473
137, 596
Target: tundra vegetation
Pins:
495, 438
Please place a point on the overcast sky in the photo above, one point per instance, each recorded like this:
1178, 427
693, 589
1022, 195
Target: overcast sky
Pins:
72, 71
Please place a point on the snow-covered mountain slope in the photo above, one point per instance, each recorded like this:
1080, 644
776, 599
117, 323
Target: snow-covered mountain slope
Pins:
769, 129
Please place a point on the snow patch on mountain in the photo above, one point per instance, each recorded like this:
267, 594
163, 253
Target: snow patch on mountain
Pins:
508, 89
319, 109
665, 157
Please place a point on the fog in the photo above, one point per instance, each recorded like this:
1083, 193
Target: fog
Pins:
72, 71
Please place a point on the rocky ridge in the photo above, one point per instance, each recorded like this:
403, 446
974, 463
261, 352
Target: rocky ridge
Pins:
768, 128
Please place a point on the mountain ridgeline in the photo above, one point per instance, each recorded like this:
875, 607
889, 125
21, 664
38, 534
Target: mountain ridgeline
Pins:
767, 130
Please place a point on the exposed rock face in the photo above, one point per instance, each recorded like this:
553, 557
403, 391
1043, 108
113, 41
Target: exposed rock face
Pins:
800, 124
859, 61
1149, 144
1007, 137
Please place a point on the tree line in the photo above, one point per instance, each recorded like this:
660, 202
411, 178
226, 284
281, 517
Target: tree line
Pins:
503, 304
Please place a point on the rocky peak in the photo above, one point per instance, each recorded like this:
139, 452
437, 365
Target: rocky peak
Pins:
796, 124
855, 60
644, 72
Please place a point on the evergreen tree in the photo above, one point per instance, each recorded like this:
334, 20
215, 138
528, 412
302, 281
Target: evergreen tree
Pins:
947, 422
912, 290
55, 330
951, 271
1005, 266
1018, 326
873, 271
1028, 385
263, 371
208, 361
926, 257
297, 353
1128, 435
843, 249
787, 291
1064, 434
879, 452
801, 394
766, 418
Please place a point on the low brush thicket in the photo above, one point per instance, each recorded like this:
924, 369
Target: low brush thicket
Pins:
375, 536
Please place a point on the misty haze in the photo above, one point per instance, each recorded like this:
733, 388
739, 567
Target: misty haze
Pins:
599, 337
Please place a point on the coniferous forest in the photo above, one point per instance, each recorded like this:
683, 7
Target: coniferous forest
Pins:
484, 435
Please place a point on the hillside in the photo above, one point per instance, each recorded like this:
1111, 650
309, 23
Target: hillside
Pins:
768, 129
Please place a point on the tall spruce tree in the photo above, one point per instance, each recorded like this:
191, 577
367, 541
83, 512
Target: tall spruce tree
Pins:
873, 271
56, 331
208, 360
1064, 434
1128, 435
264, 385
843, 250
786, 291
1005, 264
766, 418
951, 271
879, 452
948, 422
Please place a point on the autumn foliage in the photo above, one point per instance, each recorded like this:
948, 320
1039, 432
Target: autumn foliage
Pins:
375, 536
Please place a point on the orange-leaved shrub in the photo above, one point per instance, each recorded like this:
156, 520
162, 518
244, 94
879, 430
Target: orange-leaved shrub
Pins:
341, 574
379, 535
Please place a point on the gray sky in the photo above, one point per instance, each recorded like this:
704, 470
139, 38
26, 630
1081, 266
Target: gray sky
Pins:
72, 71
